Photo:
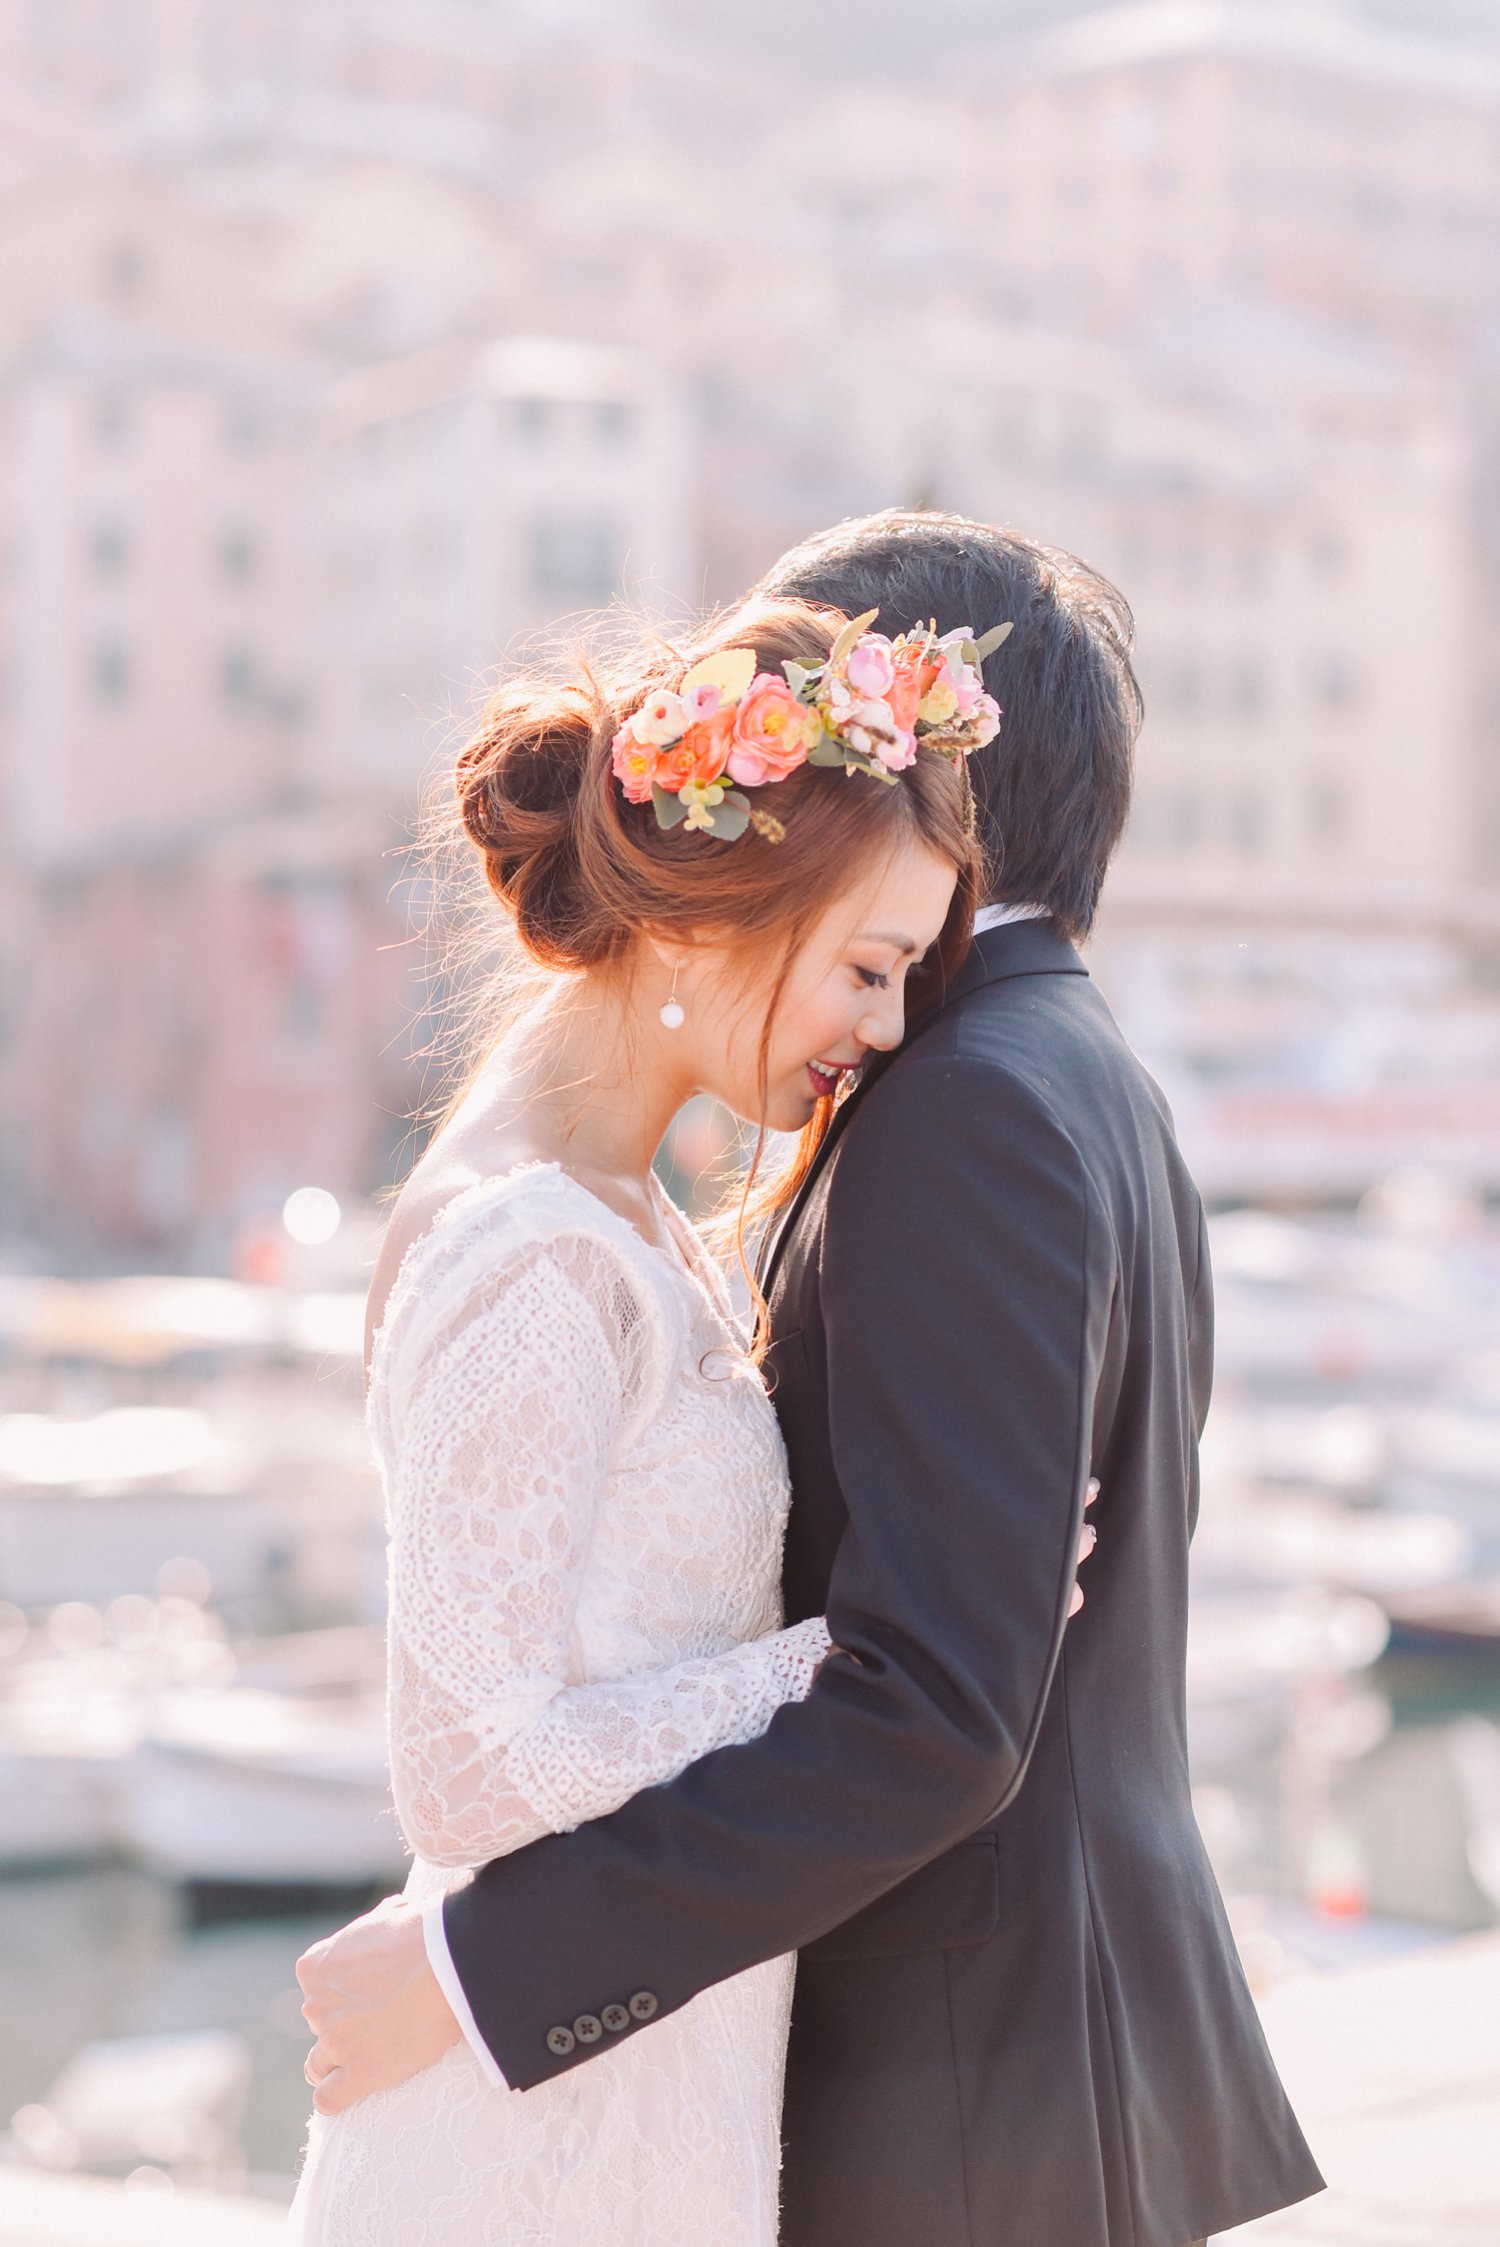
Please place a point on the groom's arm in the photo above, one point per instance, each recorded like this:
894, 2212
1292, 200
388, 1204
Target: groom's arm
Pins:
967, 1278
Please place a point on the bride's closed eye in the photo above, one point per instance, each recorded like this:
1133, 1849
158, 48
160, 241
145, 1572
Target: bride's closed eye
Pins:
873, 981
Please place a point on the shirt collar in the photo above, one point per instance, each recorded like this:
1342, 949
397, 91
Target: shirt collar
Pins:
1000, 916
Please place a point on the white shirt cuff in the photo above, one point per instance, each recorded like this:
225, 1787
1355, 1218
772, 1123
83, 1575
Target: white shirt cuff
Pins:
440, 1959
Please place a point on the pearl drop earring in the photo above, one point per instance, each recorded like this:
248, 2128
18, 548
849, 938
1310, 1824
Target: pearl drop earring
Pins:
674, 1013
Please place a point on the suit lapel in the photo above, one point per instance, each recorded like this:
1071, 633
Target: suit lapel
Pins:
1017, 948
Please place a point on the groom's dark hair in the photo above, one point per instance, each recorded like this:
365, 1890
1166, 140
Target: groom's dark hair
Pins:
1053, 789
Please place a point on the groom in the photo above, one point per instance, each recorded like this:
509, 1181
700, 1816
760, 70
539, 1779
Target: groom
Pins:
1019, 2018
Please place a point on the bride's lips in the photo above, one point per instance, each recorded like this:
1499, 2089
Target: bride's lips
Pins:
826, 1080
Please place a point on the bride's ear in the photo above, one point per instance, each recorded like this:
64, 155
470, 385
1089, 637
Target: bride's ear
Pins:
666, 952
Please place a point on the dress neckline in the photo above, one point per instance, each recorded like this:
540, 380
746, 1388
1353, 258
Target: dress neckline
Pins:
685, 1256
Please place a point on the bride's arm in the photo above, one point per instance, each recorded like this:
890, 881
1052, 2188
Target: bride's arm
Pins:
507, 1431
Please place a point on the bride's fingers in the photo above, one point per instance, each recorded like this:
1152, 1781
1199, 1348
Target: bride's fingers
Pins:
1088, 1538
1073, 1606
328, 2098
1092, 1492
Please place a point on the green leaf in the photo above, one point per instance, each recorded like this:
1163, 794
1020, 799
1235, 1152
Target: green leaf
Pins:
800, 675
851, 632
731, 818
996, 635
671, 811
827, 750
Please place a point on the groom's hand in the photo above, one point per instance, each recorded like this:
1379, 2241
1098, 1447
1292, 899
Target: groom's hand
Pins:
372, 2002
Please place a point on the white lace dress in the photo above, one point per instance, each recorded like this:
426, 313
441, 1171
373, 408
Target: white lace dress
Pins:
587, 1493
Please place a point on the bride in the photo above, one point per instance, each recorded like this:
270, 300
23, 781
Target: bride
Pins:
727, 866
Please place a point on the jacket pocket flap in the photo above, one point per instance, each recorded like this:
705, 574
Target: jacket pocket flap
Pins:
953, 1901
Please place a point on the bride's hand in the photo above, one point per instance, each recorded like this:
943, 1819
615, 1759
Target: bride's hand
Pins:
374, 2006
1086, 1543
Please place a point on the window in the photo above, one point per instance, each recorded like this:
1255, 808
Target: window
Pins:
238, 557
1247, 690
1327, 556
1252, 569
1333, 683
573, 556
244, 426
237, 677
124, 269
112, 419
109, 549
1327, 809
1183, 685
110, 673
1247, 822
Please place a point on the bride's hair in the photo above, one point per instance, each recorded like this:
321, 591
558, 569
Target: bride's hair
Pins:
583, 874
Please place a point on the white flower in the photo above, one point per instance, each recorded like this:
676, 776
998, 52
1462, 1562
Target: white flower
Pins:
660, 719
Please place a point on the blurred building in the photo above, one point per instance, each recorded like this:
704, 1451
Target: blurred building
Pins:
343, 350
470, 499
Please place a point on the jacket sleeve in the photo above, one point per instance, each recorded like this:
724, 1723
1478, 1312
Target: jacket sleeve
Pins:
966, 1283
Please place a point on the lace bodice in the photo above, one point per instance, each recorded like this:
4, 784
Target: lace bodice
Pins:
586, 1493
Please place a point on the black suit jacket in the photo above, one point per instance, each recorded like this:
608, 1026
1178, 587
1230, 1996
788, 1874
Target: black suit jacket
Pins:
1020, 2020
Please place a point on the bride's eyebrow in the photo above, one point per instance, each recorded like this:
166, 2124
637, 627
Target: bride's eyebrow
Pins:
901, 944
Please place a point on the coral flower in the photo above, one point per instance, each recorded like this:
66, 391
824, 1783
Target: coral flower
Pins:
700, 755
907, 688
773, 732
634, 762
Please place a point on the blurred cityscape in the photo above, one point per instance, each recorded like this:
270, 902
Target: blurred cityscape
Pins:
344, 350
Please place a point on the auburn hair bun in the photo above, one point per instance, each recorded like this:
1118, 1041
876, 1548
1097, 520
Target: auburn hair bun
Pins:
519, 783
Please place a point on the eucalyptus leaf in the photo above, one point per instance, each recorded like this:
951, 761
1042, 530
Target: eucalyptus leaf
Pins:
851, 632
827, 751
798, 675
671, 811
730, 818
996, 635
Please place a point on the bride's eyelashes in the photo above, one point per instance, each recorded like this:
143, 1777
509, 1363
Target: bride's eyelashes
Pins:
873, 980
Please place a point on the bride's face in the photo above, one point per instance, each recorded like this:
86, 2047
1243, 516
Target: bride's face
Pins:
843, 999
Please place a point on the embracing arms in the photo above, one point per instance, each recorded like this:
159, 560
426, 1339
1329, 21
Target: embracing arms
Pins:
967, 1278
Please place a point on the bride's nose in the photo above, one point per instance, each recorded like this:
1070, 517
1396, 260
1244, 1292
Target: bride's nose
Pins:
883, 1023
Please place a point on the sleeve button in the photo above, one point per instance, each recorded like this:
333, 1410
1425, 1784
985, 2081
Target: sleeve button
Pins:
643, 2005
588, 2028
560, 2041
615, 2018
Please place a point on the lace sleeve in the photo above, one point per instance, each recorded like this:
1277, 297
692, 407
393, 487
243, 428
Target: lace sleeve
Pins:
505, 1443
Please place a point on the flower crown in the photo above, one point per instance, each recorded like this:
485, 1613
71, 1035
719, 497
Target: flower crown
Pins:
729, 727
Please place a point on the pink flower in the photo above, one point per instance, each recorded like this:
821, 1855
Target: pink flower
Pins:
635, 763
773, 732
869, 669
986, 716
701, 702
875, 731
660, 718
